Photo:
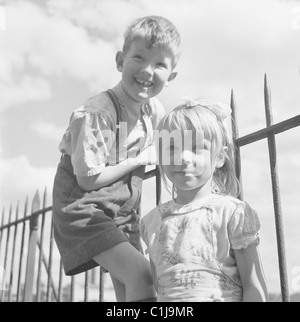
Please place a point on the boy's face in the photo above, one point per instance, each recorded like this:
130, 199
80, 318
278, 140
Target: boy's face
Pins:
145, 70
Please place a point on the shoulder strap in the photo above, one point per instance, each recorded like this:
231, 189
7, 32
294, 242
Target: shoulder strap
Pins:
116, 104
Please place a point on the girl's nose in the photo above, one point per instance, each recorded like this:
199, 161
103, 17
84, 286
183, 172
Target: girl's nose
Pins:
186, 157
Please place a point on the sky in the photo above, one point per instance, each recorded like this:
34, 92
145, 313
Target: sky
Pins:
54, 54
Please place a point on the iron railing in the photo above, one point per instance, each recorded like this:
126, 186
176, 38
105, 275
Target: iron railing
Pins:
23, 240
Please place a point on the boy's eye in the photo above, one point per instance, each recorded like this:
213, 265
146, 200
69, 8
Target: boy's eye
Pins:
138, 57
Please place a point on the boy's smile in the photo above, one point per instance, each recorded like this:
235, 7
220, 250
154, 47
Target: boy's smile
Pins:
146, 69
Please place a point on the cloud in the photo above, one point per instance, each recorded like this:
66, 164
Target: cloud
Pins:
49, 131
36, 51
26, 89
233, 44
101, 18
19, 179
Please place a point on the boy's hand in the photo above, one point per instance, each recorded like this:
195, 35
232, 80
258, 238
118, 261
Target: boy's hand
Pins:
148, 156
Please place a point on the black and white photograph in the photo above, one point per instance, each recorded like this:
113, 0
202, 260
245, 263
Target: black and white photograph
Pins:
149, 152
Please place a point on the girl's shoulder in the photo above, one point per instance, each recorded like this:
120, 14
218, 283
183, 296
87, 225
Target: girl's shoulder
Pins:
156, 214
230, 204
153, 219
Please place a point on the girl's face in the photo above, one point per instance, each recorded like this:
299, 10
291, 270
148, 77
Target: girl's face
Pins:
145, 71
190, 167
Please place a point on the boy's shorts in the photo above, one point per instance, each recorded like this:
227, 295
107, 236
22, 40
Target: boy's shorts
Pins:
88, 223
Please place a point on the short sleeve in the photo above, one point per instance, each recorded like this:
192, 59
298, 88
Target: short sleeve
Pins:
149, 225
243, 227
143, 232
91, 140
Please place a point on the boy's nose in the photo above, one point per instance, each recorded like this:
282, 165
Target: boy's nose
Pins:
147, 70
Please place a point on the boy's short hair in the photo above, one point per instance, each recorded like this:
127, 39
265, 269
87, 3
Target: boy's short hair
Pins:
158, 30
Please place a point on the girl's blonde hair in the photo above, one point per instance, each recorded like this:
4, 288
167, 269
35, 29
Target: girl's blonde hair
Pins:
158, 31
201, 118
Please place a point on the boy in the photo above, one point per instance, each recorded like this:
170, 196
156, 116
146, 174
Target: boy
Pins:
98, 182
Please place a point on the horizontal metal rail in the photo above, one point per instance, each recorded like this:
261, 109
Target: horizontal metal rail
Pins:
268, 131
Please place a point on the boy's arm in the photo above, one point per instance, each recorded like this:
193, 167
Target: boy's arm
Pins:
251, 273
109, 175
112, 173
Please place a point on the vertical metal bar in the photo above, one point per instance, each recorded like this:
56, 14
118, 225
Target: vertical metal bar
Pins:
2, 293
158, 186
50, 264
72, 289
7, 246
21, 252
237, 149
30, 268
93, 276
2, 230
1, 237
276, 198
60, 283
39, 273
51, 282
13, 255
101, 285
86, 287
7, 238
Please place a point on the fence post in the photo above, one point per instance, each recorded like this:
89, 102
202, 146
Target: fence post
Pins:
1, 231
12, 266
19, 296
237, 150
158, 186
276, 197
30, 269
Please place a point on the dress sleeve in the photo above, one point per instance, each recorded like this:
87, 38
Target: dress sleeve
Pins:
143, 232
91, 141
243, 227
148, 228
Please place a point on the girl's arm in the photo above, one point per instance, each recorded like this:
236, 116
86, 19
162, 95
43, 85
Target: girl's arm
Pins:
252, 275
112, 173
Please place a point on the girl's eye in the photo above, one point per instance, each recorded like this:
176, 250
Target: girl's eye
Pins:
171, 148
200, 147
162, 65
197, 148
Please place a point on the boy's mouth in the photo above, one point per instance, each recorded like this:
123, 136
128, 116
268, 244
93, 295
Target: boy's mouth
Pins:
143, 83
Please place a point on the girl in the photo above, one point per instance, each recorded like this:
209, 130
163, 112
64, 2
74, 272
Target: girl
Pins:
203, 244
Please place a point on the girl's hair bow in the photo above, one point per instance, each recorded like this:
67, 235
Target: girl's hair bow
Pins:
222, 111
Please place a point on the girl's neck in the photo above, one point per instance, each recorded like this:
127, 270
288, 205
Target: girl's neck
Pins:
185, 197
125, 100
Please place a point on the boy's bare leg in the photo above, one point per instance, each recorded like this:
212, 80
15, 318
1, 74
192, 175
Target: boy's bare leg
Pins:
119, 288
131, 268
